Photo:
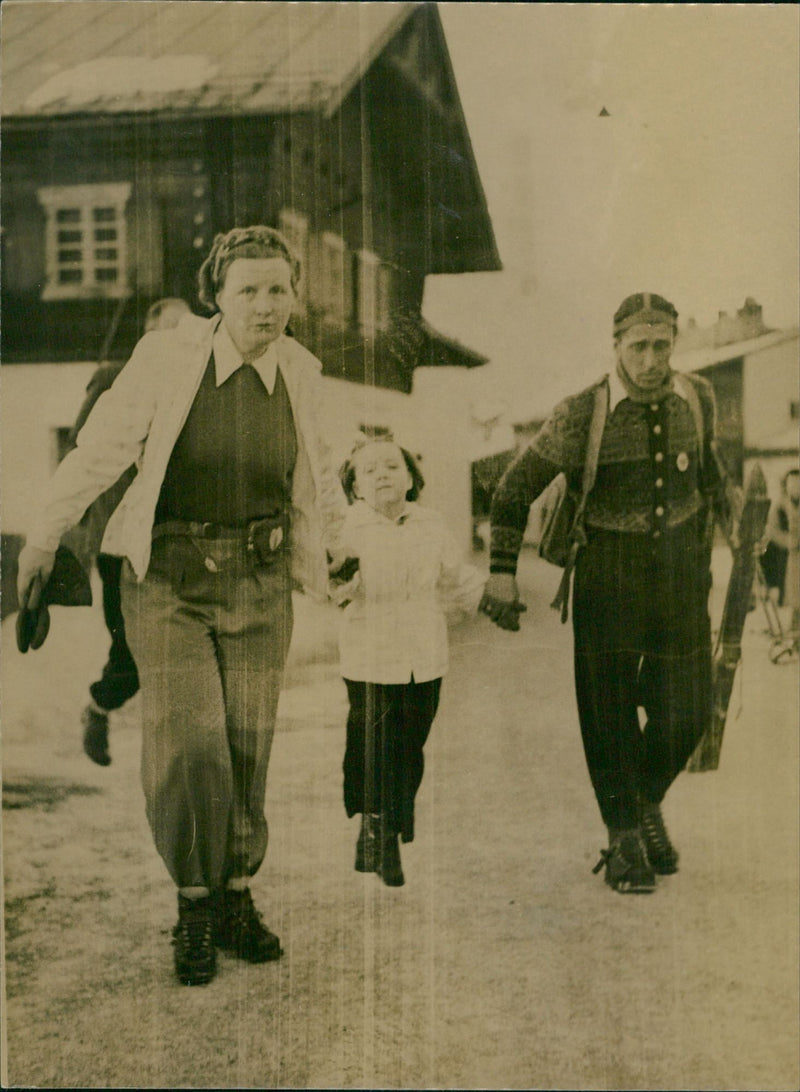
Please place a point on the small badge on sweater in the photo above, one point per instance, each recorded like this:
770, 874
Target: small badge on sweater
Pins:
682, 462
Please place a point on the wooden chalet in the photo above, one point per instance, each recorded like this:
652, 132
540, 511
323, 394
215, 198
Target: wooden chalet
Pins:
133, 132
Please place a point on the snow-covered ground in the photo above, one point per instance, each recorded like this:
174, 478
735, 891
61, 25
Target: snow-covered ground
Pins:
503, 962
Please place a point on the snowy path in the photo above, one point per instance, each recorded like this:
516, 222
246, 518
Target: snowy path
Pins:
502, 963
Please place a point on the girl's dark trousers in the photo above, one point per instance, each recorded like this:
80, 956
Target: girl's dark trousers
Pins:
642, 639
383, 763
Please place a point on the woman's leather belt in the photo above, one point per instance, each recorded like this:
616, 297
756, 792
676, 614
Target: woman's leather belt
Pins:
198, 530
269, 532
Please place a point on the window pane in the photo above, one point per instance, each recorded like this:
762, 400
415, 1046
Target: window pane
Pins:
68, 216
106, 254
105, 235
69, 255
70, 236
105, 275
70, 276
104, 215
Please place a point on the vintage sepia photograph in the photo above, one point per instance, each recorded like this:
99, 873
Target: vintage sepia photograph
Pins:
400, 545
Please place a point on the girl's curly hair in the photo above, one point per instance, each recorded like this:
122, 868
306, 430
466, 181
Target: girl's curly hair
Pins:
256, 241
347, 471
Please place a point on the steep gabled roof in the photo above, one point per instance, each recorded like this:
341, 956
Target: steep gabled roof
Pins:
207, 57
109, 61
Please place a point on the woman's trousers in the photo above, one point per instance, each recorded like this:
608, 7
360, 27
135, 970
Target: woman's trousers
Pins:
210, 632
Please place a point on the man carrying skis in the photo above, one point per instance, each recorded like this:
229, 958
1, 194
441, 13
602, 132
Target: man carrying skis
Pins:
640, 603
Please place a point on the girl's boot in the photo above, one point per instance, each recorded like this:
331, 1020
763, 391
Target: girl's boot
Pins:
389, 868
368, 844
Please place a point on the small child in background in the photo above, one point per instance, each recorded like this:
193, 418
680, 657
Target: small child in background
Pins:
393, 642
780, 561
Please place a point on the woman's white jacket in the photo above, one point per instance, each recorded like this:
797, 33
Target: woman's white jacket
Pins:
138, 422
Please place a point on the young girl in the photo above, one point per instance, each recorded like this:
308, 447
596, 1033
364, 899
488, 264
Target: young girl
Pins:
393, 642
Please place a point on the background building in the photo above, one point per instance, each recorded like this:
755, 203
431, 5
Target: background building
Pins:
132, 133
754, 371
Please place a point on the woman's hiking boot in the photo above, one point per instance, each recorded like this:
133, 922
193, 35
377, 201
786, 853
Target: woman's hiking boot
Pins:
193, 940
241, 931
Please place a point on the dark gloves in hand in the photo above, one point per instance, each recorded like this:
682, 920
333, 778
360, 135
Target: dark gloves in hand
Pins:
66, 585
33, 620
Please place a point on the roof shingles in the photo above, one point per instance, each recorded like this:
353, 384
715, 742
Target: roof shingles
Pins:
239, 57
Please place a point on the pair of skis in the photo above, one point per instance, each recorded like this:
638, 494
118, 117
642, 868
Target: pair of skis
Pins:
728, 648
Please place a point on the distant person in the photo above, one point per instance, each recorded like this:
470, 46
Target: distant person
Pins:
640, 603
393, 643
235, 499
779, 561
119, 680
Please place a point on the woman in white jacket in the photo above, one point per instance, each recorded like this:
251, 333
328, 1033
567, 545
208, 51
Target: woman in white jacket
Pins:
234, 499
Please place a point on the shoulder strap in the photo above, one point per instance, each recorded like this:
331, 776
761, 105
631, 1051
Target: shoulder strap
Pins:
577, 533
686, 389
596, 429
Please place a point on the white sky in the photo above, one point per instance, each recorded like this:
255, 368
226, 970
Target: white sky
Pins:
689, 188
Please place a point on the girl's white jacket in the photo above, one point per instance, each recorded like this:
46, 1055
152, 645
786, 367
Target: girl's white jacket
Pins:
138, 422
411, 575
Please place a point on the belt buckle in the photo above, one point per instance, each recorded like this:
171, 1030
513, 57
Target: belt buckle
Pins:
275, 536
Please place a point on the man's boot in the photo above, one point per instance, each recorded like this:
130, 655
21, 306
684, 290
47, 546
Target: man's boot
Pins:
661, 853
627, 868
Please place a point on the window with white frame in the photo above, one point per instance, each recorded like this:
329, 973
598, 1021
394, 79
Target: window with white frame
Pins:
372, 292
332, 277
294, 228
85, 241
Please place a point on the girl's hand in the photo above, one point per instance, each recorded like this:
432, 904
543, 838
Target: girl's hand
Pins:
344, 571
344, 592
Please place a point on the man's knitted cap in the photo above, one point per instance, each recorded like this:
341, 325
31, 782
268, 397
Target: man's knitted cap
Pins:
644, 307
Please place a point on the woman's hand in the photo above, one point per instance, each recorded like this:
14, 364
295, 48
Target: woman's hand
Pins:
33, 562
501, 601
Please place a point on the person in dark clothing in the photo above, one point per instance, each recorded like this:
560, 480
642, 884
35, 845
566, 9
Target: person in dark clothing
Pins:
119, 680
781, 535
640, 603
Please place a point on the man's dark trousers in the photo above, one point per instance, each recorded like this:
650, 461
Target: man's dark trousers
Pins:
642, 638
